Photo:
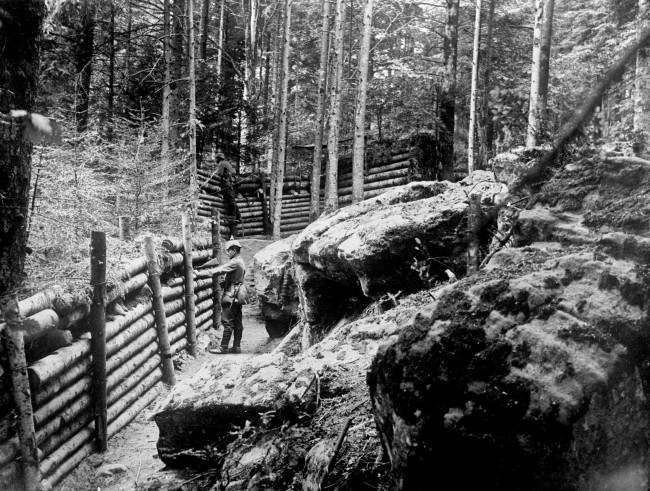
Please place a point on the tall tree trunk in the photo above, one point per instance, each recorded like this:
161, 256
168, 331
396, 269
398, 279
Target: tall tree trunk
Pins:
276, 112
471, 159
282, 133
542, 33
84, 62
166, 94
192, 114
447, 103
331, 191
641, 120
545, 61
21, 28
485, 128
220, 40
314, 206
205, 23
178, 60
126, 76
110, 103
359, 144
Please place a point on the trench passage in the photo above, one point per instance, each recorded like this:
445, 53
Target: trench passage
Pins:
132, 458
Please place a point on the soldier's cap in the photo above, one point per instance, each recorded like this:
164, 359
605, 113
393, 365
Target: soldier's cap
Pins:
233, 243
219, 154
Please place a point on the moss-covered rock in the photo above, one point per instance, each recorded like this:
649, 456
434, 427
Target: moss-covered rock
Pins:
530, 377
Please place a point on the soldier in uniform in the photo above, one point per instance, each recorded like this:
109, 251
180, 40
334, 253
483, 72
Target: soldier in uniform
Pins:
231, 302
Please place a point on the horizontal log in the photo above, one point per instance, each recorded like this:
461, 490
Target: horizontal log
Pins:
39, 301
172, 291
36, 324
60, 463
72, 318
131, 396
172, 259
72, 427
175, 244
47, 411
51, 366
179, 345
144, 399
125, 371
383, 176
83, 367
70, 447
207, 186
378, 185
132, 268
123, 289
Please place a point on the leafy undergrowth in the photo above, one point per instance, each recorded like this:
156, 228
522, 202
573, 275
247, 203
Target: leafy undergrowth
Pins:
84, 185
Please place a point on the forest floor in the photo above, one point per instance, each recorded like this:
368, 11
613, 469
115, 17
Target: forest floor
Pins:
131, 461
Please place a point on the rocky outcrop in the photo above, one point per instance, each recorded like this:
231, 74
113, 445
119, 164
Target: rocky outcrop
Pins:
206, 417
276, 287
531, 375
368, 249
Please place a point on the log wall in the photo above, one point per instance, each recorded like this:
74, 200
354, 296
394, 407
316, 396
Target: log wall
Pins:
61, 383
391, 169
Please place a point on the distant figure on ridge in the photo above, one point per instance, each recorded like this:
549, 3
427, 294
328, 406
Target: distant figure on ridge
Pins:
233, 297
226, 174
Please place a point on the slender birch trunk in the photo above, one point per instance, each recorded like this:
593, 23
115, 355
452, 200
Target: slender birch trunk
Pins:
447, 104
166, 93
359, 144
532, 131
474, 91
331, 191
314, 206
282, 133
192, 115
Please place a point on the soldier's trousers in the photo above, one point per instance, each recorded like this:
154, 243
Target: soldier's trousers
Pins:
231, 318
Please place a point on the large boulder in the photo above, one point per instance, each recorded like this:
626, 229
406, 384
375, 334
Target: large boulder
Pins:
369, 249
531, 375
276, 288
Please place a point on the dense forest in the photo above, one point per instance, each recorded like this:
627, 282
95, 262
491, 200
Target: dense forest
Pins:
143, 93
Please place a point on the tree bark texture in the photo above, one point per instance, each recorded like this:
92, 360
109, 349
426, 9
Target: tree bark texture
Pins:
15, 352
471, 136
282, 133
190, 307
178, 59
97, 318
18, 78
641, 121
542, 33
84, 51
194, 188
166, 90
159, 312
205, 23
314, 208
110, 98
486, 127
359, 145
331, 188
447, 102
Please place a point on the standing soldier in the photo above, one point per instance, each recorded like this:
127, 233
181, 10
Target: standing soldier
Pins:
233, 297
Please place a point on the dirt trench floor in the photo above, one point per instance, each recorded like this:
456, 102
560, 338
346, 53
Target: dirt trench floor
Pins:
131, 461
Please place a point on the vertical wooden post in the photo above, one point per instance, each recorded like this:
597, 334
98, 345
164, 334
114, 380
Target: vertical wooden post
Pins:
190, 309
216, 253
15, 350
473, 233
98, 334
159, 312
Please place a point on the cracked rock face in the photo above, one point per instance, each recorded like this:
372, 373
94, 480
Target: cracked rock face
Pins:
367, 249
276, 287
530, 376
